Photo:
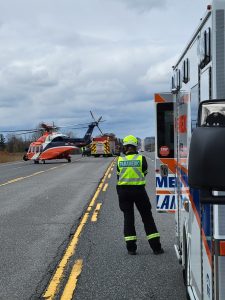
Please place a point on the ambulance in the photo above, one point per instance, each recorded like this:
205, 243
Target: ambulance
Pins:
190, 156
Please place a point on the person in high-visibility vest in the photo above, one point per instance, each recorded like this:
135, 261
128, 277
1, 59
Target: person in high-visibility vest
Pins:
83, 151
131, 172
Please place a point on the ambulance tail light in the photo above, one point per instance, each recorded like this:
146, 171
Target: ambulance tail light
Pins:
222, 248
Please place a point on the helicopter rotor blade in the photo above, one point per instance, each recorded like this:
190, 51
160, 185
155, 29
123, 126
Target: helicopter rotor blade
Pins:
73, 125
92, 116
18, 130
100, 130
97, 122
99, 119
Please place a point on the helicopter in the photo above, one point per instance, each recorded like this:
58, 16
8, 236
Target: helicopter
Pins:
55, 145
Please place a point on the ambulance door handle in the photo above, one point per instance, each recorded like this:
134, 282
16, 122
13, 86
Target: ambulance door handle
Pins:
186, 204
164, 170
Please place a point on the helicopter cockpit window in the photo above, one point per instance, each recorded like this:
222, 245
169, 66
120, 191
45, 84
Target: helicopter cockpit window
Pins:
58, 139
212, 114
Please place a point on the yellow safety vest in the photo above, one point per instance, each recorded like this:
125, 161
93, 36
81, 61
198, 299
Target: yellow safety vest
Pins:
130, 170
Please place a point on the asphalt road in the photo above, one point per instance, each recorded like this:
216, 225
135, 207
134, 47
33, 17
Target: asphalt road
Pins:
40, 210
109, 273
40, 206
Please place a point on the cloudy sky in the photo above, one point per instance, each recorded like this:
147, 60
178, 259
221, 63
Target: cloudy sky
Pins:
59, 59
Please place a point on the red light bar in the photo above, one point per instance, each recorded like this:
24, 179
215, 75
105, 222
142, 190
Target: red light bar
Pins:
222, 248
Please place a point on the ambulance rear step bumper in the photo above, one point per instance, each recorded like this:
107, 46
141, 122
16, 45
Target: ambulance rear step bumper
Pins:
178, 253
190, 293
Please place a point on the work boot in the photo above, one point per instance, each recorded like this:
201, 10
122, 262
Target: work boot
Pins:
155, 245
157, 252
131, 247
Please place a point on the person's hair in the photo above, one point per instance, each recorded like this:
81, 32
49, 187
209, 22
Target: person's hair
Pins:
129, 148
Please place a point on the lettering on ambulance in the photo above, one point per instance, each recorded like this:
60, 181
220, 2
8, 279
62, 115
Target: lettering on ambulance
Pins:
166, 202
166, 182
169, 182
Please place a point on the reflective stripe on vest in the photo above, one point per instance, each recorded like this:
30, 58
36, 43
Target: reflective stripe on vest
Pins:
130, 170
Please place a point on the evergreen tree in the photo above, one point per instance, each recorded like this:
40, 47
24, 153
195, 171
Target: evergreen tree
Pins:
2, 142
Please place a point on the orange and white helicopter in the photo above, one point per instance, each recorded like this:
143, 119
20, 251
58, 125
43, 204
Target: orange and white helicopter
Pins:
55, 145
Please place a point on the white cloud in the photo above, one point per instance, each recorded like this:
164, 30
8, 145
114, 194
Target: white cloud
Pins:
60, 59
144, 5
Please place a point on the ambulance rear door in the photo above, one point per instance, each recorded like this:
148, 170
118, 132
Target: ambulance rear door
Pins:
165, 167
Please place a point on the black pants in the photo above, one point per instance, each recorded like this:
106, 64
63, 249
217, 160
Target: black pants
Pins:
127, 197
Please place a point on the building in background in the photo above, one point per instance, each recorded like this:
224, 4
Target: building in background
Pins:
149, 143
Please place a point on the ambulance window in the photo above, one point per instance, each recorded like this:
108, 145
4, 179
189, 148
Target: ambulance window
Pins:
178, 75
173, 83
186, 71
194, 106
204, 48
212, 113
165, 130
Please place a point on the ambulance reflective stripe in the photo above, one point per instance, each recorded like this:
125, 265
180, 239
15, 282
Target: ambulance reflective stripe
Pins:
153, 236
130, 238
134, 175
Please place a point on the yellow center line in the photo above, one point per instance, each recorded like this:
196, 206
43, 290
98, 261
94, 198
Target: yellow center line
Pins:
28, 176
53, 168
105, 187
14, 180
95, 213
72, 281
109, 176
34, 174
52, 288
56, 167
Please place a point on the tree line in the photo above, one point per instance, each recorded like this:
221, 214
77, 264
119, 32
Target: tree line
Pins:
13, 143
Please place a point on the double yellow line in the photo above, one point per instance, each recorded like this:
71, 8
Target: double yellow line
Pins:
53, 286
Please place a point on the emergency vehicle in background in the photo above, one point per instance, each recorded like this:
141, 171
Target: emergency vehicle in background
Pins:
103, 145
190, 156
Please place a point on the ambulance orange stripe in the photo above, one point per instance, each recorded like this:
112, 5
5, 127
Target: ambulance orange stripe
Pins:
208, 252
159, 99
170, 162
162, 192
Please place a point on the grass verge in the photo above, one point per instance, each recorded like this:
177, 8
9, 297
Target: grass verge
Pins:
7, 157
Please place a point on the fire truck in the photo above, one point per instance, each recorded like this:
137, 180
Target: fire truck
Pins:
190, 156
103, 146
